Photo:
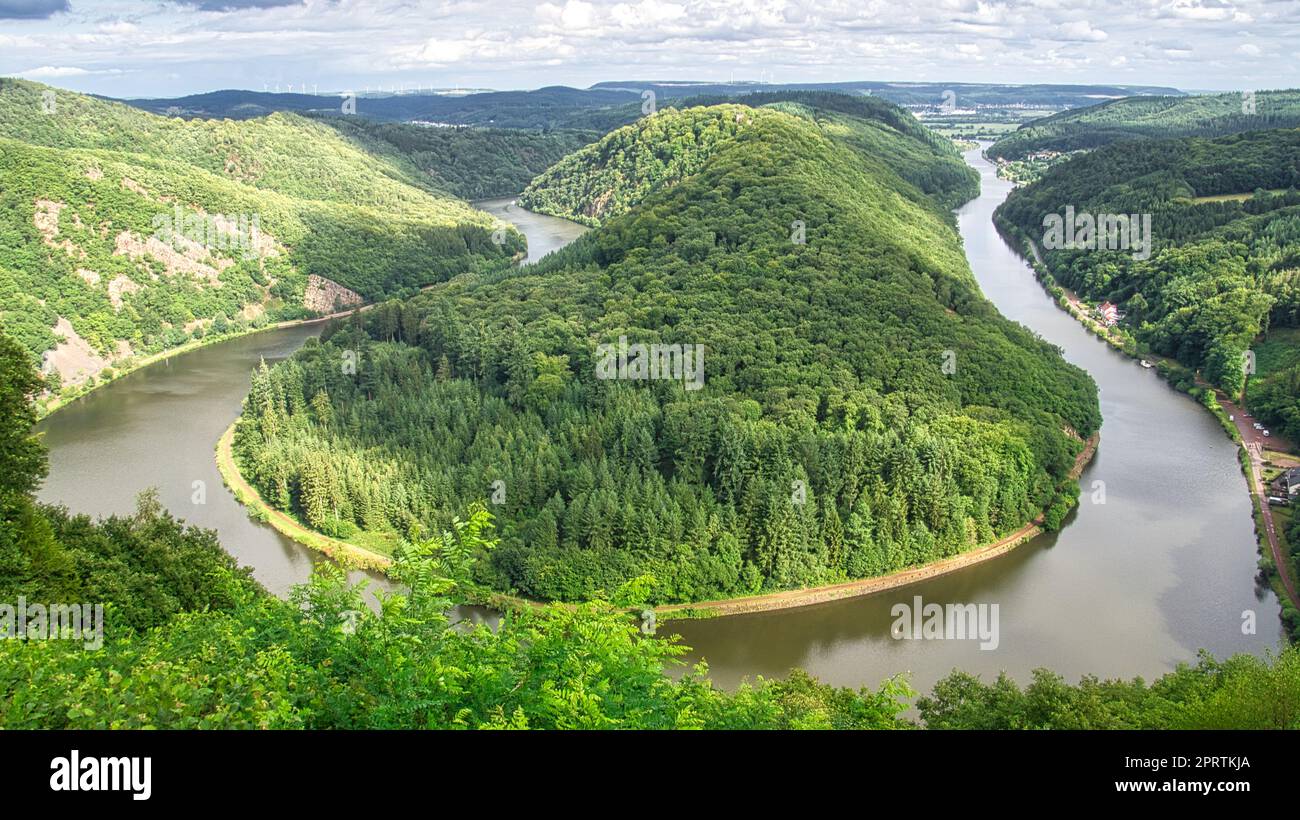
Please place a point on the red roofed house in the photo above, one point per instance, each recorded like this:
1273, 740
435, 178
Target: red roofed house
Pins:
1109, 313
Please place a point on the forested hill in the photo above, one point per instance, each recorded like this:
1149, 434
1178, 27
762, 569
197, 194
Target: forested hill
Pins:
470, 162
861, 407
609, 177
123, 233
1136, 118
1225, 254
997, 95
602, 106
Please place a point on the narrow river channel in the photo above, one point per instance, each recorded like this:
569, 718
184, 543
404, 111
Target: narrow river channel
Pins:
1132, 586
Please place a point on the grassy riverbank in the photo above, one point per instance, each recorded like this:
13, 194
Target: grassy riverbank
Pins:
347, 554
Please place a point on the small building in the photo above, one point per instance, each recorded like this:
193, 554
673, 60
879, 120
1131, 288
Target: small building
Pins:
1108, 313
1286, 485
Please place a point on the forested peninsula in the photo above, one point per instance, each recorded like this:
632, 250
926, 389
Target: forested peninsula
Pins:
861, 408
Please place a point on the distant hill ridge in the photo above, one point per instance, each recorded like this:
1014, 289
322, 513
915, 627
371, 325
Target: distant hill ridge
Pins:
603, 105
909, 93
1161, 117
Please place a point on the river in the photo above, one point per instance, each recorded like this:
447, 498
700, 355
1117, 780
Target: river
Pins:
157, 427
545, 233
1130, 586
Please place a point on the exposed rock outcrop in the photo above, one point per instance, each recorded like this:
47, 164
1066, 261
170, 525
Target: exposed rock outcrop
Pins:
325, 296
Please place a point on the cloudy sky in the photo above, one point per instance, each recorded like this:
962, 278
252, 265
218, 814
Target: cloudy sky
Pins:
175, 47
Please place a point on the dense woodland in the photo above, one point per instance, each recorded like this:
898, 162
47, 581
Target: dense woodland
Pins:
1240, 692
609, 177
191, 642
74, 180
880, 129
1273, 392
468, 162
1223, 269
864, 407
1152, 117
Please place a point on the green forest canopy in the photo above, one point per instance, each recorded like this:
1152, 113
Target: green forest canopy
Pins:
609, 177
1221, 270
864, 408
468, 162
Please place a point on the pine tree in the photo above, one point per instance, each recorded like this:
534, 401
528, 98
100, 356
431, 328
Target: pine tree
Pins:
320, 405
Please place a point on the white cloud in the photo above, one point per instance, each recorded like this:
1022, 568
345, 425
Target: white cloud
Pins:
439, 51
577, 15
647, 13
8, 41
117, 27
1081, 31
50, 72
1200, 10
162, 48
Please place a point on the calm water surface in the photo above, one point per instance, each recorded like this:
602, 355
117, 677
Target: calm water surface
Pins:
158, 427
545, 233
1132, 586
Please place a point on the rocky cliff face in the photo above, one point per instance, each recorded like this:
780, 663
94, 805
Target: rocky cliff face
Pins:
325, 296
